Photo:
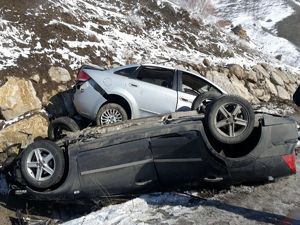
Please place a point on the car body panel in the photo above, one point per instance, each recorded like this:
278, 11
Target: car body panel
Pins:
150, 154
145, 99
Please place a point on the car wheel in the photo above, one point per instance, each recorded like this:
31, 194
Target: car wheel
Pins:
59, 126
230, 119
111, 113
42, 164
203, 100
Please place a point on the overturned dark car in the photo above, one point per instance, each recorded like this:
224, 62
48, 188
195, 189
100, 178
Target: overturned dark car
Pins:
228, 144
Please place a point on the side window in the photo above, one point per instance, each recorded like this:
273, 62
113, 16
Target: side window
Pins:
127, 72
158, 76
194, 85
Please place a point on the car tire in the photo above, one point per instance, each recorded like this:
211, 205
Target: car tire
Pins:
59, 125
111, 113
42, 164
202, 101
230, 119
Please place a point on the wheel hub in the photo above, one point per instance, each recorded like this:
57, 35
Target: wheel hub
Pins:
40, 164
111, 116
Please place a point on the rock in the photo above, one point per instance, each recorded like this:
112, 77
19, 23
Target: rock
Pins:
265, 97
206, 62
283, 76
237, 70
36, 78
261, 73
231, 86
276, 78
44, 81
17, 96
59, 75
239, 31
282, 93
23, 132
271, 87
251, 76
292, 77
291, 88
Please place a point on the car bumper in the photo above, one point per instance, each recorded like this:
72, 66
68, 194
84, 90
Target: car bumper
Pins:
87, 100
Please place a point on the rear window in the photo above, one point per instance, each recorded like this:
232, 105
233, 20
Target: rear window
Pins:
127, 72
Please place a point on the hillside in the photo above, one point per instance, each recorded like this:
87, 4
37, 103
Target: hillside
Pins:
37, 34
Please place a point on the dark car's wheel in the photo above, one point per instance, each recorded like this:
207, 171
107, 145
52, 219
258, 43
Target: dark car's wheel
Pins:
59, 126
202, 101
42, 164
111, 113
230, 119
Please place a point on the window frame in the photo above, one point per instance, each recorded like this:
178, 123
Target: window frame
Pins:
180, 83
175, 77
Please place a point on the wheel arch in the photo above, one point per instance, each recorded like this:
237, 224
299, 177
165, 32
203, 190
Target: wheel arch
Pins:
115, 98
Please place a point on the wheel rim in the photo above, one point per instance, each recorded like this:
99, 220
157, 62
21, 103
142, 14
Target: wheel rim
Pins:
232, 119
110, 116
40, 164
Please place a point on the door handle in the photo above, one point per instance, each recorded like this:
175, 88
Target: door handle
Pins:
133, 85
213, 179
142, 183
184, 99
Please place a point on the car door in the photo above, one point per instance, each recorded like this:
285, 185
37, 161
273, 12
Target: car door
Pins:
182, 158
117, 169
154, 89
189, 87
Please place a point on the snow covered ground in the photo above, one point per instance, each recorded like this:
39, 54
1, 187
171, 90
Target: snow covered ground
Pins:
259, 19
273, 203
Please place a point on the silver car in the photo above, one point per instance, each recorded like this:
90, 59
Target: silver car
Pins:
134, 91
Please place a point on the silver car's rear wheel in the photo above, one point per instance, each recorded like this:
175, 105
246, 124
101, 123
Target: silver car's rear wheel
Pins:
111, 116
111, 113
40, 164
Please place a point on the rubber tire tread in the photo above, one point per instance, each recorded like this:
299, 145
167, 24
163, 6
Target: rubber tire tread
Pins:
59, 158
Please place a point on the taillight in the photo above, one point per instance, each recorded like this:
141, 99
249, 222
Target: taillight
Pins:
82, 76
290, 160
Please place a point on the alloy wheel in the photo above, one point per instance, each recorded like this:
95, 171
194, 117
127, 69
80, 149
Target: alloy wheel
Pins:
40, 164
231, 120
111, 116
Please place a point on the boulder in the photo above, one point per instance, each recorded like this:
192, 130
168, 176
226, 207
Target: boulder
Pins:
271, 87
251, 76
276, 78
59, 75
17, 96
282, 93
261, 73
237, 70
241, 32
231, 86
24, 131
206, 62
